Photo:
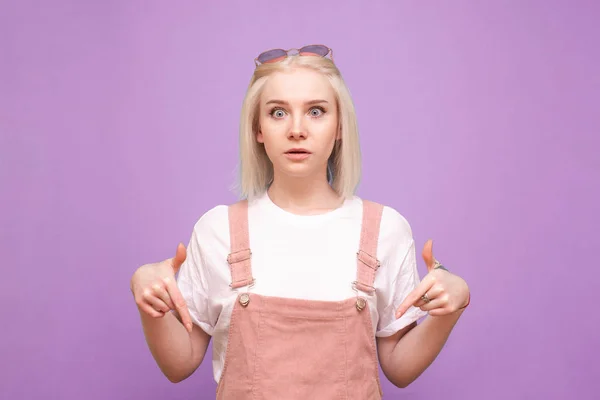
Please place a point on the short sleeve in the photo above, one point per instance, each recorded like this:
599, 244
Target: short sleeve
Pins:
193, 285
398, 275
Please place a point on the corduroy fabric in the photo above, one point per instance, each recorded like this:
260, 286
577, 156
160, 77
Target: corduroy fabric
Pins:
286, 348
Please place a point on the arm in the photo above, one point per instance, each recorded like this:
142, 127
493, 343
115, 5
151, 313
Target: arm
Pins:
410, 351
177, 352
405, 355
176, 343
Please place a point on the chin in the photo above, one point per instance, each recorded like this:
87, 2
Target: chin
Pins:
297, 171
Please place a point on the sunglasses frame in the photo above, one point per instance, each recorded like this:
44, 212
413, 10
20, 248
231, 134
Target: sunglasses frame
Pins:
288, 53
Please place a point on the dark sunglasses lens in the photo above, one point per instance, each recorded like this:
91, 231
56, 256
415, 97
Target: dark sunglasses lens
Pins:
271, 55
317, 49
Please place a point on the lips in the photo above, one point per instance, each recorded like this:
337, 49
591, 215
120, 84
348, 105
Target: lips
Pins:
297, 154
297, 151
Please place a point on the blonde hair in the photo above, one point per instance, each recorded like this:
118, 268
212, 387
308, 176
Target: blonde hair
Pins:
255, 168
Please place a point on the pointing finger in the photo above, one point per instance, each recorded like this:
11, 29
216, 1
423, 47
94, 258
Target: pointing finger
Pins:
414, 296
180, 304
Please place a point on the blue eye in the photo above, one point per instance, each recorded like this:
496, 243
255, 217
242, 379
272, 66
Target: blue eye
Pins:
277, 113
316, 111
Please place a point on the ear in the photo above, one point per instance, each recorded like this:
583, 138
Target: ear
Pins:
259, 137
339, 133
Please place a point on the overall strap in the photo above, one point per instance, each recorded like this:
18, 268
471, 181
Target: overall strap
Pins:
240, 254
368, 263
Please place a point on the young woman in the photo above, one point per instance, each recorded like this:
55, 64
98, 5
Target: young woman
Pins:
302, 286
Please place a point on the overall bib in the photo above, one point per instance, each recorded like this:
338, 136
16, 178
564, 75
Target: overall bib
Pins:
288, 349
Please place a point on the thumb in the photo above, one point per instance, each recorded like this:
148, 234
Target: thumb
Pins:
179, 258
428, 255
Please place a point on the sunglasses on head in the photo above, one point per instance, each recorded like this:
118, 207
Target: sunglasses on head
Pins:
275, 55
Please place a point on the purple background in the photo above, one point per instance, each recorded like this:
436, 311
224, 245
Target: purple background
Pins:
479, 122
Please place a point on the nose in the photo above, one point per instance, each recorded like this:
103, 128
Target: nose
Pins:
297, 130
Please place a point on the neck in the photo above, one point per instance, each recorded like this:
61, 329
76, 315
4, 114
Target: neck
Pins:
303, 195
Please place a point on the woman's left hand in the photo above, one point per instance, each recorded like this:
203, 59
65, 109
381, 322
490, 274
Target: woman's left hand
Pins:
440, 292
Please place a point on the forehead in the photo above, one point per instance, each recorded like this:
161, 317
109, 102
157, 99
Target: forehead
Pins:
298, 84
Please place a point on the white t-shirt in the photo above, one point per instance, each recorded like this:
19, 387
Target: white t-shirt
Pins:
295, 256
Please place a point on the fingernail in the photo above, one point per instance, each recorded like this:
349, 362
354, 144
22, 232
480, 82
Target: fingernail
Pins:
189, 327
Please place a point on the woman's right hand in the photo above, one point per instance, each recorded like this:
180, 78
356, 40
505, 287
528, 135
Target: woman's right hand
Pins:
155, 289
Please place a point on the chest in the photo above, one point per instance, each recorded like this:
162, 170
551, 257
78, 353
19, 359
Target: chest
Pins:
305, 262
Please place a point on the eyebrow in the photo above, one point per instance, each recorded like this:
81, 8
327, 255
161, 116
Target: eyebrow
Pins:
283, 102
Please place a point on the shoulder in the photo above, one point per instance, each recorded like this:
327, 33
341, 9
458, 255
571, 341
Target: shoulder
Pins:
395, 231
212, 223
393, 223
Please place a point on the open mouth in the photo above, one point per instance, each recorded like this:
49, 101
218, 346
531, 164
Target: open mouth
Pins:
297, 154
297, 151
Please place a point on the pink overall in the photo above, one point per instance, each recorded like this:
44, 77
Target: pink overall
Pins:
287, 349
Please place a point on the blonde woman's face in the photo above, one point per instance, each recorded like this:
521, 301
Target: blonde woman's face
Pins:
298, 122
